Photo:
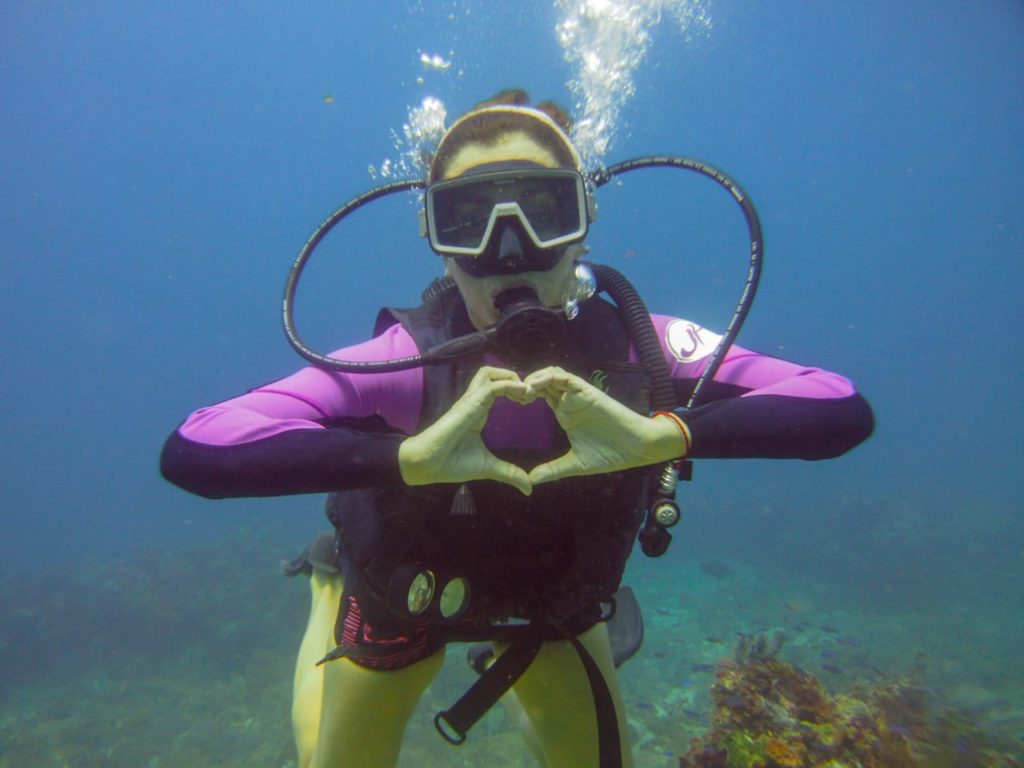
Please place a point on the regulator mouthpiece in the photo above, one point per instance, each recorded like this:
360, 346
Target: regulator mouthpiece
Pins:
527, 333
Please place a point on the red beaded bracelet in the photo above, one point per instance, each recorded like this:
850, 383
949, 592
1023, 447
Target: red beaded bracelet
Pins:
679, 423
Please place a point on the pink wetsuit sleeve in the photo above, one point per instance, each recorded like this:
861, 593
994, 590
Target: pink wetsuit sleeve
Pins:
759, 406
311, 396
311, 432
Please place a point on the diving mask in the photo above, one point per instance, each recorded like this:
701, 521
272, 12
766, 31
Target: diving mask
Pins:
466, 217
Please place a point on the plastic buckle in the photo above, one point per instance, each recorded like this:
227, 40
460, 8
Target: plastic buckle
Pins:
443, 725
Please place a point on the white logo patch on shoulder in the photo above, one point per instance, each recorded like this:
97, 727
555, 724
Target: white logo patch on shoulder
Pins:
690, 342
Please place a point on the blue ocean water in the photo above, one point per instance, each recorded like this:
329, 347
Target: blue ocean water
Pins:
161, 165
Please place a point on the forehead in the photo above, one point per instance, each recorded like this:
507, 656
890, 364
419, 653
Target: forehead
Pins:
510, 146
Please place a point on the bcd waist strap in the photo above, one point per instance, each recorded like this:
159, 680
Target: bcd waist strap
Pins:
454, 723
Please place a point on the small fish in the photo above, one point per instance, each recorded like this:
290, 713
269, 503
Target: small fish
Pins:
828, 653
644, 705
714, 640
849, 640
832, 668
328, 99
830, 629
703, 667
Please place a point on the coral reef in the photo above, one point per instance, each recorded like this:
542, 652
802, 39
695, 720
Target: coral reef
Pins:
770, 714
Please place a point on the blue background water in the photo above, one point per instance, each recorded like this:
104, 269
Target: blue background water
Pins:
162, 164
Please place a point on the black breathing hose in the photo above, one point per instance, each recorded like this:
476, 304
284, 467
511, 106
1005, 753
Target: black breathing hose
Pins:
641, 331
292, 284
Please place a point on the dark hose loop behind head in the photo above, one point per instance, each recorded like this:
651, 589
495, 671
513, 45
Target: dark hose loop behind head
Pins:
475, 342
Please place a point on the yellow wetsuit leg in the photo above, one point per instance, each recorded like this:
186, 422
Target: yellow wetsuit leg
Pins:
345, 716
365, 712
516, 714
308, 683
556, 696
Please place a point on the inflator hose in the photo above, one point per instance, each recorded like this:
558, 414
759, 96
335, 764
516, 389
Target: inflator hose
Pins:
641, 332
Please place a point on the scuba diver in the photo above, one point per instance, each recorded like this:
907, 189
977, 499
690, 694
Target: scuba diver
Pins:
492, 455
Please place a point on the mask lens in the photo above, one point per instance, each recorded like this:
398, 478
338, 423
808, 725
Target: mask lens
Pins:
466, 221
550, 207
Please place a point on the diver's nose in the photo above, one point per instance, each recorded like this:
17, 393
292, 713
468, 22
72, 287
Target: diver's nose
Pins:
510, 249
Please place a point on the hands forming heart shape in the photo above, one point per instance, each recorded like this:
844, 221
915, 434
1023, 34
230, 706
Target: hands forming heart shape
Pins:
604, 435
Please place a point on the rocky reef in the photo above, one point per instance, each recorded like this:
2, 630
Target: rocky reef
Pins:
771, 714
